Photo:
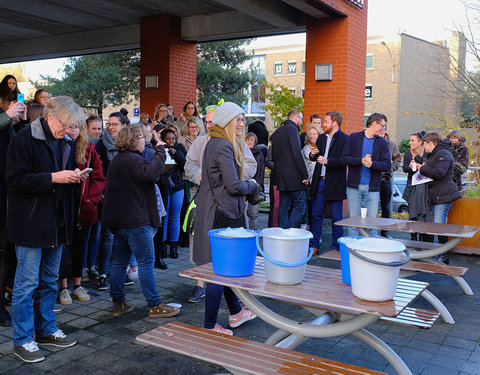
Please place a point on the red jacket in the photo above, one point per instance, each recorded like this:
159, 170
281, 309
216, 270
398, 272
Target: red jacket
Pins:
92, 189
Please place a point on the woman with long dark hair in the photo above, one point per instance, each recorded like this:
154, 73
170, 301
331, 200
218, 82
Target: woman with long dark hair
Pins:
8, 91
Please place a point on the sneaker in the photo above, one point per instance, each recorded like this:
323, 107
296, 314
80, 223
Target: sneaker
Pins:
64, 297
102, 283
81, 294
243, 316
57, 309
218, 328
58, 338
93, 273
85, 277
120, 308
163, 311
29, 352
133, 274
198, 294
128, 281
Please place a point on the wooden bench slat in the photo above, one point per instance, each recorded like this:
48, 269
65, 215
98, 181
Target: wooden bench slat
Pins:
414, 265
242, 354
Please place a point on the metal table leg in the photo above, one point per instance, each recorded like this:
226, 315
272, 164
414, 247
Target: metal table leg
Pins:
459, 279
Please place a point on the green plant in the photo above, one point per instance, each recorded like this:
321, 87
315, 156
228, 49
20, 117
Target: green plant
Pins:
472, 192
404, 145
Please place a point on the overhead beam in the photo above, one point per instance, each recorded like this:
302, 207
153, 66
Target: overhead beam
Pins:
307, 7
271, 11
74, 44
230, 25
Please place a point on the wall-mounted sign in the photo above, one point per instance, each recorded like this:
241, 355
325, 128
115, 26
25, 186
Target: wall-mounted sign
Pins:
368, 92
358, 3
136, 111
323, 72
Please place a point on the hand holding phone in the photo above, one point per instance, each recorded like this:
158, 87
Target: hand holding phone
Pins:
21, 99
85, 171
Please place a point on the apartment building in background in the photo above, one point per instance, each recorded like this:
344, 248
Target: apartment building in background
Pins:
416, 83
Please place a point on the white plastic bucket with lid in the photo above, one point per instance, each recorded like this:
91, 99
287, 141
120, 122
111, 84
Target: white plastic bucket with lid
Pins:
286, 252
374, 267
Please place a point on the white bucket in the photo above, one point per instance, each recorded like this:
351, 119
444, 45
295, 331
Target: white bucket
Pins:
374, 267
286, 252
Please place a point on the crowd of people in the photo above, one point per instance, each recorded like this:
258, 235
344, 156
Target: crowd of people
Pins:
86, 202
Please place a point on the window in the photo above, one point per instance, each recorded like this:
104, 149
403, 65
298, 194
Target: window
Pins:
365, 118
257, 98
277, 68
368, 91
369, 64
258, 65
292, 68
292, 90
303, 66
303, 92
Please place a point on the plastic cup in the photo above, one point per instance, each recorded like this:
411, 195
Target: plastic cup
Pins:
363, 212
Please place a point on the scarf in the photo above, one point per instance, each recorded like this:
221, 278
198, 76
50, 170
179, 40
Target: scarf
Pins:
93, 140
109, 143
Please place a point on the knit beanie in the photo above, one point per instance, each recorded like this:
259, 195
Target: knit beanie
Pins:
226, 113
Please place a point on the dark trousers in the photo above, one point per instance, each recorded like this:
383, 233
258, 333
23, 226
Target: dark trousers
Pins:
213, 297
291, 208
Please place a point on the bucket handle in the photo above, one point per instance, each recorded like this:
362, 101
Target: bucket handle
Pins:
280, 263
390, 264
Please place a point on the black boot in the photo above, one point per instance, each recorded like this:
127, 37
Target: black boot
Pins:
159, 263
173, 250
163, 250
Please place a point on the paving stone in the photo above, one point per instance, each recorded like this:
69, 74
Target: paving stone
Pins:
82, 323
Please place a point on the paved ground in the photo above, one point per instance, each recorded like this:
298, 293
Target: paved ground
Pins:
106, 345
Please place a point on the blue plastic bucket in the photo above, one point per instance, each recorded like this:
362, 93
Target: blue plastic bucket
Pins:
233, 256
345, 258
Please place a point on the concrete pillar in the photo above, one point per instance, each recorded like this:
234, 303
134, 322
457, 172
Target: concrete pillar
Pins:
340, 41
173, 60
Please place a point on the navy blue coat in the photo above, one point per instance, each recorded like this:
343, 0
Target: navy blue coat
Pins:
336, 174
352, 155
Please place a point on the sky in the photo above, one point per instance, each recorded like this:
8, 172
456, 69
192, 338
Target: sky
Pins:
425, 19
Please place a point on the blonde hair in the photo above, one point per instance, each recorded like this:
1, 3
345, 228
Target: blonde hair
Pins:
312, 126
238, 143
81, 145
64, 106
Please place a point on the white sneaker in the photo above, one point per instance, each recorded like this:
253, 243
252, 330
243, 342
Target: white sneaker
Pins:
81, 294
133, 274
85, 277
64, 297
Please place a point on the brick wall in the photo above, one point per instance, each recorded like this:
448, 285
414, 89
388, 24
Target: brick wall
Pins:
163, 53
339, 41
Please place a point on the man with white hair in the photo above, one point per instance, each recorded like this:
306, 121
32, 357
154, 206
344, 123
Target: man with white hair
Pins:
41, 177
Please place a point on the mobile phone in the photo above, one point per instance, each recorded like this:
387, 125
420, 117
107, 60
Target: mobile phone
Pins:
21, 98
85, 171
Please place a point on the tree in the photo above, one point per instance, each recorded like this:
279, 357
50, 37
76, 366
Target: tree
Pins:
280, 101
14, 70
95, 81
220, 72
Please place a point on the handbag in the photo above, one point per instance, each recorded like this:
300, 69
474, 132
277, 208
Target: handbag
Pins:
220, 220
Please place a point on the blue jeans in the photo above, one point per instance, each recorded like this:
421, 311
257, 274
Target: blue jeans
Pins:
35, 281
172, 219
362, 198
252, 215
291, 208
138, 241
440, 215
91, 248
318, 209
105, 253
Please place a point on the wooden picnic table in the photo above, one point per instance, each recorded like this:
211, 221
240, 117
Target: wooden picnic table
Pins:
324, 294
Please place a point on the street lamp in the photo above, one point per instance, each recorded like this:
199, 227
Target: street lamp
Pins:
391, 57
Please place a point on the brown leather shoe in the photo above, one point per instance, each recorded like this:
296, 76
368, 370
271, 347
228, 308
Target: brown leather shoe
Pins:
316, 251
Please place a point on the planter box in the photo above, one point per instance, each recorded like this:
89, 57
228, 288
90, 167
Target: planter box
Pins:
466, 211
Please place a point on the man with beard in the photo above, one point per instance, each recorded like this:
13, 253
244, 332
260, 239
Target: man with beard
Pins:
329, 179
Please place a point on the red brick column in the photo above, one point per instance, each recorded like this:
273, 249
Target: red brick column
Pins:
172, 59
340, 41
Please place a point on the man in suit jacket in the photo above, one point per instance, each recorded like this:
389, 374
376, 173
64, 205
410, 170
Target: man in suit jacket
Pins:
329, 179
290, 171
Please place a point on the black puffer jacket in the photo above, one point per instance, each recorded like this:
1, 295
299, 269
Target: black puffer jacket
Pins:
174, 173
439, 167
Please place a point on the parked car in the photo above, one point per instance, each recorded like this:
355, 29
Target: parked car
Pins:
399, 204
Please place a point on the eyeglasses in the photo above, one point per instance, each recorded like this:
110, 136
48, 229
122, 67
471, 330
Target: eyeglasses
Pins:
193, 126
74, 126
240, 120
162, 110
113, 124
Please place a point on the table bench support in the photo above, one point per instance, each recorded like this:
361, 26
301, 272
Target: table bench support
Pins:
439, 306
386, 352
459, 279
